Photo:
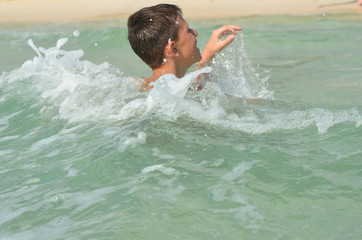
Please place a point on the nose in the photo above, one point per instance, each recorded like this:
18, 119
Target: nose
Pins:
195, 33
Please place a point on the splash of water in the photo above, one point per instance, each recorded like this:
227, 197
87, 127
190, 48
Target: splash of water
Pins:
168, 94
235, 75
77, 90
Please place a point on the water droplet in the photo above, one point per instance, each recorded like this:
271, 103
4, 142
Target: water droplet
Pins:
96, 44
76, 33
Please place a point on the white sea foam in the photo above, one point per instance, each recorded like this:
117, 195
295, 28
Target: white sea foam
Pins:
168, 93
160, 168
72, 172
78, 90
170, 187
5, 152
44, 142
238, 171
230, 190
247, 216
133, 141
32, 181
157, 153
4, 120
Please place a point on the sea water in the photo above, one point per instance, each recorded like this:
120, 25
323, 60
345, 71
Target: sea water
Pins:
270, 148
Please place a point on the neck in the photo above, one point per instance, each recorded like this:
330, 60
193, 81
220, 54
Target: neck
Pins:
166, 68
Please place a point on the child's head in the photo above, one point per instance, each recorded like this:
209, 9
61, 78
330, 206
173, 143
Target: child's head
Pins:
150, 29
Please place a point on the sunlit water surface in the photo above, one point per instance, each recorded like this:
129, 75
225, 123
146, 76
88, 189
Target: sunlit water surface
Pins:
271, 148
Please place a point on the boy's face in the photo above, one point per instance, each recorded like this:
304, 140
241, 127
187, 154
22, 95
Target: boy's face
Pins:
187, 44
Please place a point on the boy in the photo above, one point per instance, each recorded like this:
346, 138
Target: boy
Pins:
163, 40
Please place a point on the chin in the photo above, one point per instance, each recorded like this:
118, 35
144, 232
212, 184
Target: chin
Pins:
196, 59
198, 55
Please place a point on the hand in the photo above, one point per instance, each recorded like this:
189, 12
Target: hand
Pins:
215, 44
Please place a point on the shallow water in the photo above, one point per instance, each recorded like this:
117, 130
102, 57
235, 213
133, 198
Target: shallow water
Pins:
270, 149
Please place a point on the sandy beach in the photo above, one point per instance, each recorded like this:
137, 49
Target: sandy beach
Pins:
37, 11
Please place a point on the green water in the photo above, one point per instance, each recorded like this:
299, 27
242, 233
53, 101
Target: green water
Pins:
84, 155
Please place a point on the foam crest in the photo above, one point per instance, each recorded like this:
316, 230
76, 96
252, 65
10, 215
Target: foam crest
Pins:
168, 94
325, 119
160, 168
255, 123
77, 90
225, 191
234, 73
238, 171
167, 182
169, 99
133, 141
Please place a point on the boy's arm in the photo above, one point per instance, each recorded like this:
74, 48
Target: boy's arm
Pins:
215, 44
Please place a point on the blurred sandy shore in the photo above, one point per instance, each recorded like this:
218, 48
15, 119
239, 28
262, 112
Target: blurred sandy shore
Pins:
18, 11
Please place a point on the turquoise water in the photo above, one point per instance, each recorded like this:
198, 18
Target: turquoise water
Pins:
271, 148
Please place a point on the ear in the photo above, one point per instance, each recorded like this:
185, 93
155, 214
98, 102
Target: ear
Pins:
171, 49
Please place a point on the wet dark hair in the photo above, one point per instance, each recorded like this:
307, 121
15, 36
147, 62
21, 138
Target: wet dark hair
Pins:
150, 29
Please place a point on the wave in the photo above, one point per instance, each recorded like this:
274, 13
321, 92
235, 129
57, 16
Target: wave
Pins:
72, 89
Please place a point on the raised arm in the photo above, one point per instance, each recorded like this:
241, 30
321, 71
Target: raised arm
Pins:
215, 43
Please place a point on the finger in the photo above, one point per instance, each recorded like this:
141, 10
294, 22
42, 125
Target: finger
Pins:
226, 41
236, 27
221, 31
233, 27
228, 28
